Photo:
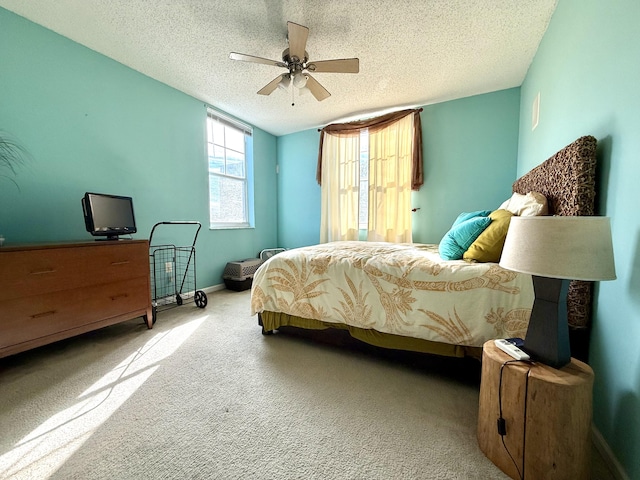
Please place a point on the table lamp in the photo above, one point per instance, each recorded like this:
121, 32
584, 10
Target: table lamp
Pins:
555, 250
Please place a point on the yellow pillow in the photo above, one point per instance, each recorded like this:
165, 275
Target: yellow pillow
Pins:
488, 246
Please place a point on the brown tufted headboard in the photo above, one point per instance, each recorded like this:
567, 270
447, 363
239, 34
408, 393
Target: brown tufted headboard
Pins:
567, 179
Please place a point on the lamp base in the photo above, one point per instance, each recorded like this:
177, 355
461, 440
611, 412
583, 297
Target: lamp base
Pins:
547, 339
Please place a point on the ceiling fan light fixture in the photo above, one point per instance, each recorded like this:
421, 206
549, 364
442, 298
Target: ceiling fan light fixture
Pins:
284, 82
300, 80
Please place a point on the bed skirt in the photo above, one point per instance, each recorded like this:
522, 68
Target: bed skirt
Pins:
274, 320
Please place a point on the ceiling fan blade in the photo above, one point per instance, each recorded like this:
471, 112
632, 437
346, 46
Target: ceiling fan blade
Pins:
273, 84
316, 89
297, 40
250, 58
343, 65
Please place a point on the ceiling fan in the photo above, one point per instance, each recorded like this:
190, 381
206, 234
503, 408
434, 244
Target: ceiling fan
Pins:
296, 60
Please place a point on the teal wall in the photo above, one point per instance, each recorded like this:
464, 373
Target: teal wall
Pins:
469, 147
298, 191
587, 71
92, 124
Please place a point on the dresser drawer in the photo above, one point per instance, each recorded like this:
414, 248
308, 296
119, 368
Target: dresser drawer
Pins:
29, 318
38, 271
26, 318
32, 272
113, 299
117, 261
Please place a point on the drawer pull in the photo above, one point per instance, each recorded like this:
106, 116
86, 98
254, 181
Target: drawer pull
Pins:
43, 272
124, 262
122, 295
44, 314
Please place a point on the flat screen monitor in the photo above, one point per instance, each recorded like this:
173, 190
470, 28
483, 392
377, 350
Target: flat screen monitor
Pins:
108, 216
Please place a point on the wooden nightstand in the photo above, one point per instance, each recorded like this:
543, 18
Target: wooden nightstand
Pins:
547, 413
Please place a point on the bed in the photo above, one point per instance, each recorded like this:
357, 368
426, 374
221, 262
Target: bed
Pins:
405, 297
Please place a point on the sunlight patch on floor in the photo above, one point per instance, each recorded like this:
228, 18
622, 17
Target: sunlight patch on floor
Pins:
47, 447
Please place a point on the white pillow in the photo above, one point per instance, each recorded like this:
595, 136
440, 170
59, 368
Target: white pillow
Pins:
531, 204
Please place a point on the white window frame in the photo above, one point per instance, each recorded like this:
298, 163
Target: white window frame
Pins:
246, 179
363, 183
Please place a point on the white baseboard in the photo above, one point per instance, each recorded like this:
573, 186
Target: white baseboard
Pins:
607, 454
214, 288
171, 299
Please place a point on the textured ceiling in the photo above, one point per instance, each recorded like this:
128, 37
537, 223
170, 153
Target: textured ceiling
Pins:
412, 52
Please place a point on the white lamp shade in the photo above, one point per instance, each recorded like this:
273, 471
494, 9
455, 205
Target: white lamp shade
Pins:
572, 248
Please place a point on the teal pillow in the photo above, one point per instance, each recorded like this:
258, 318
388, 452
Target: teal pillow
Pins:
465, 230
466, 216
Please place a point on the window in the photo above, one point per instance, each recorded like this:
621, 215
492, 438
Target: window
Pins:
367, 170
229, 152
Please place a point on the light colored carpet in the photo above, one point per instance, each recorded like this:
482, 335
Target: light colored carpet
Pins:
205, 395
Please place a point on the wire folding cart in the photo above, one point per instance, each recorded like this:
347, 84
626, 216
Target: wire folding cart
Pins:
173, 268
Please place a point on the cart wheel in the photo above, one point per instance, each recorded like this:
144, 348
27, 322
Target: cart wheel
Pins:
200, 299
178, 299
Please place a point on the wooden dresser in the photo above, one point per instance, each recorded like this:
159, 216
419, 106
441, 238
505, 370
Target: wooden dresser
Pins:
53, 291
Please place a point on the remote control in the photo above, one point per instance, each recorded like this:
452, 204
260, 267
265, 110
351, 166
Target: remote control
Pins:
511, 349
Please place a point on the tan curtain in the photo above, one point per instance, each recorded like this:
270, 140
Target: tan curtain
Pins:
340, 187
395, 168
390, 152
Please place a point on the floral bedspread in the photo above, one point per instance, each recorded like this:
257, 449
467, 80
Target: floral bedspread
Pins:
403, 289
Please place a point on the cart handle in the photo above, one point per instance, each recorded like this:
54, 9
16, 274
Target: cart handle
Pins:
183, 222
